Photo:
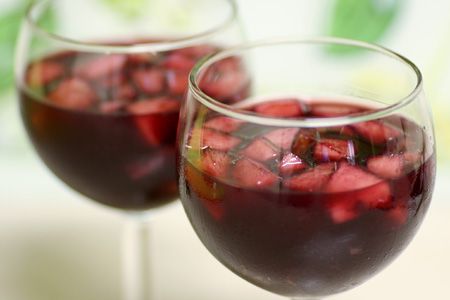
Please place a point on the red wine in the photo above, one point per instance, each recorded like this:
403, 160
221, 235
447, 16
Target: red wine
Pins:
106, 124
306, 211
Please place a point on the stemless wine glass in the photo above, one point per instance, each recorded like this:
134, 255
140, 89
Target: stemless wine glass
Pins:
320, 176
100, 96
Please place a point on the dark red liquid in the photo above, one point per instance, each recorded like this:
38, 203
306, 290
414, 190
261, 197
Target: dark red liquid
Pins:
306, 212
106, 124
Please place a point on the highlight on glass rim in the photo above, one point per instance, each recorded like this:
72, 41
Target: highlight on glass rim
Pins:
224, 149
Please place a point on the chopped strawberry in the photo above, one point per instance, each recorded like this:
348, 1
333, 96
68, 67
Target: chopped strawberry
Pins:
177, 82
197, 52
303, 142
160, 105
286, 108
208, 193
156, 119
282, 137
73, 93
392, 166
312, 180
141, 58
109, 107
291, 164
250, 174
398, 214
149, 81
42, 73
177, 61
334, 150
219, 141
342, 211
259, 150
215, 163
376, 132
224, 79
224, 124
366, 188
124, 91
101, 66
333, 109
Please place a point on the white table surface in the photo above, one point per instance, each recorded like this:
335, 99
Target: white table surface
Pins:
56, 245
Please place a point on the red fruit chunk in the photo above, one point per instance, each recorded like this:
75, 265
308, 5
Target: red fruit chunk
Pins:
224, 79
333, 150
73, 93
393, 166
250, 174
259, 150
177, 82
159, 105
112, 106
224, 124
101, 66
149, 81
124, 92
42, 73
215, 163
376, 132
312, 180
304, 142
141, 58
288, 108
366, 188
282, 138
398, 214
291, 164
177, 61
333, 110
342, 211
219, 141
197, 52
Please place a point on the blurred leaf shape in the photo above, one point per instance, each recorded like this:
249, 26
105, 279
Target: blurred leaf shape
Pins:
126, 8
10, 22
365, 20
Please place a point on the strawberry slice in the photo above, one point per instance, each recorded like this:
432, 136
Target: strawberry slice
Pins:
282, 138
197, 52
160, 105
259, 150
219, 141
333, 150
342, 211
215, 163
250, 174
177, 82
156, 119
209, 193
366, 188
313, 180
224, 79
304, 142
149, 81
101, 66
286, 108
224, 124
291, 164
376, 132
44, 72
178, 61
333, 110
392, 166
123, 92
73, 93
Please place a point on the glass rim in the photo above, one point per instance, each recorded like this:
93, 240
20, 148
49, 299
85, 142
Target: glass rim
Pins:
175, 43
233, 112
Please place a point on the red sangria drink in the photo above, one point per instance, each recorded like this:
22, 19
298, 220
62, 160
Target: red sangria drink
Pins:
304, 196
106, 124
